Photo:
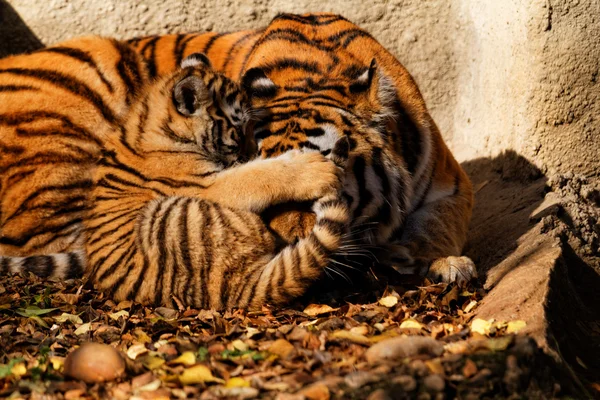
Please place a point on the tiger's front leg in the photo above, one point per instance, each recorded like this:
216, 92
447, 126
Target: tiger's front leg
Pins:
433, 238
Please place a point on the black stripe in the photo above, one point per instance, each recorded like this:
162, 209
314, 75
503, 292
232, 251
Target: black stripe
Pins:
313, 20
206, 247
4, 265
235, 49
75, 267
16, 88
162, 252
410, 136
334, 227
68, 83
211, 42
186, 256
32, 116
129, 70
150, 58
84, 58
181, 46
138, 243
364, 196
292, 63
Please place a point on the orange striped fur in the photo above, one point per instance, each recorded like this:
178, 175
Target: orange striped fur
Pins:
319, 77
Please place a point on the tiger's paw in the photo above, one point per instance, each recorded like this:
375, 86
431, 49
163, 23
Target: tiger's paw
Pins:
452, 269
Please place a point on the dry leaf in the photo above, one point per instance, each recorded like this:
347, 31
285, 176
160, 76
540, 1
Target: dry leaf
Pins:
198, 374
282, 348
118, 315
237, 382
136, 350
515, 326
318, 309
470, 306
18, 370
410, 324
481, 326
83, 329
388, 301
350, 336
64, 317
187, 358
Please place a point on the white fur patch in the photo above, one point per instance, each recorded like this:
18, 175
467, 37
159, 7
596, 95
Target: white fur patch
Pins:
262, 83
327, 140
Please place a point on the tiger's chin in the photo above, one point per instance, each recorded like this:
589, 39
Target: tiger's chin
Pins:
290, 222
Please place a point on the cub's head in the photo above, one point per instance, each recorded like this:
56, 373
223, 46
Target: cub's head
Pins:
194, 115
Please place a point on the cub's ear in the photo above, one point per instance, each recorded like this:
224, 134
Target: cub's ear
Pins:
189, 94
195, 60
258, 85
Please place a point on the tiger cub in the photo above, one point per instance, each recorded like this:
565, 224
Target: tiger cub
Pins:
174, 218
150, 195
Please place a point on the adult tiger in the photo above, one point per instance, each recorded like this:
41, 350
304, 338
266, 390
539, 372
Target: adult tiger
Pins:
319, 77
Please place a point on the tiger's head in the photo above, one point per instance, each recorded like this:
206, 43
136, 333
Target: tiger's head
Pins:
311, 112
307, 105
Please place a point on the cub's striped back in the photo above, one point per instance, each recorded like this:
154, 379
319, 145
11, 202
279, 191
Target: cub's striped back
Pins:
57, 107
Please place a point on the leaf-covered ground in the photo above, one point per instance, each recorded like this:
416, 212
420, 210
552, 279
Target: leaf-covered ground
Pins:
417, 342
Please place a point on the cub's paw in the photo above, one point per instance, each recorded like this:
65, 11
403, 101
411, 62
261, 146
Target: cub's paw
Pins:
451, 269
310, 175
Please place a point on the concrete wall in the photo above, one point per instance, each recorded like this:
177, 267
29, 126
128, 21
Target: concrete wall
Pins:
496, 75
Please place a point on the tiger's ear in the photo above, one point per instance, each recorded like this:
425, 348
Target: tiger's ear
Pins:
195, 60
379, 89
189, 94
258, 85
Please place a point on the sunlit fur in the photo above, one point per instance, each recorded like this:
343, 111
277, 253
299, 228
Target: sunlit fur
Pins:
318, 77
168, 216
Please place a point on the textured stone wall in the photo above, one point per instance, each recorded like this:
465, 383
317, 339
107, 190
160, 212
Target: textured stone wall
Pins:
496, 75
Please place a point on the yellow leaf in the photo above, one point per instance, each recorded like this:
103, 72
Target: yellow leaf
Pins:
83, 329
57, 362
481, 326
361, 330
239, 345
500, 343
388, 301
470, 306
317, 309
197, 374
351, 336
18, 370
119, 314
515, 326
152, 362
410, 324
142, 337
435, 366
64, 317
187, 358
237, 382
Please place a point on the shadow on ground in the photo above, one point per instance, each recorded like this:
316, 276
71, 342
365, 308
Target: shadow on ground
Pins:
15, 36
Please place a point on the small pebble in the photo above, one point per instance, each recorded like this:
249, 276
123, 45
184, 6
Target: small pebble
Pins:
407, 382
402, 347
379, 394
434, 383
